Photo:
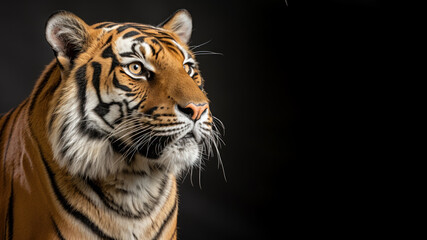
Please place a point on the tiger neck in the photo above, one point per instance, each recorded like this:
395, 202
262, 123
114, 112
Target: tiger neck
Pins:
132, 195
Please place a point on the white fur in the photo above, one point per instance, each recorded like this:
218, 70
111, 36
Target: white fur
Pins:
182, 25
62, 30
124, 45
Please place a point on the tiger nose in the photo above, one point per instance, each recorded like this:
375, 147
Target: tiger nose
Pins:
194, 111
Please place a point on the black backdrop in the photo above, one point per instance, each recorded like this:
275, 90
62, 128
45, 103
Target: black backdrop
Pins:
288, 87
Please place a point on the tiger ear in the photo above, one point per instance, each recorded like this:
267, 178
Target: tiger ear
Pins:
181, 24
67, 34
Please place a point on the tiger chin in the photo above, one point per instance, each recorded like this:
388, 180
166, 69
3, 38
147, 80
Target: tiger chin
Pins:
94, 151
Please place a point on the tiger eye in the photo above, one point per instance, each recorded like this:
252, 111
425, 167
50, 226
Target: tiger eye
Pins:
135, 68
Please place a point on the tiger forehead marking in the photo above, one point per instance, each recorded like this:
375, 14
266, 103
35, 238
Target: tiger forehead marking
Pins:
153, 37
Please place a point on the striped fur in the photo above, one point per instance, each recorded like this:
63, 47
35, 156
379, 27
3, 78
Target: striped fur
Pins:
94, 151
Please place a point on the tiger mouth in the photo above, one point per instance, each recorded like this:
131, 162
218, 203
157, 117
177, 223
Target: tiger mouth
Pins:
155, 147
188, 139
187, 136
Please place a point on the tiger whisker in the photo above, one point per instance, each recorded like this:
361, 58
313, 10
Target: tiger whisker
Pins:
197, 46
198, 53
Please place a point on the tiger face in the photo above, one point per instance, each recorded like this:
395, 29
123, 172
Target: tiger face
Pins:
131, 97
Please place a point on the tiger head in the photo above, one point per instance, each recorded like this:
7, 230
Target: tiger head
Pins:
131, 97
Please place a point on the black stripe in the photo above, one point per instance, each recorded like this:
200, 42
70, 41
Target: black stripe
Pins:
120, 86
122, 148
65, 145
127, 54
58, 232
140, 173
40, 88
103, 108
91, 132
153, 149
166, 220
97, 69
174, 233
111, 204
163, 35
54, 115
154, 41
108, 53
81, 81
102, 25
140, 39
10, 213
122, 28
108, 41
151, 110
140, 26
131, 34
174, 50
154, 51
67, 206
81, 84
111, 25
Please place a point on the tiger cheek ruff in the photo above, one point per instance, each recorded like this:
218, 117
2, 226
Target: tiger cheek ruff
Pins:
94, 151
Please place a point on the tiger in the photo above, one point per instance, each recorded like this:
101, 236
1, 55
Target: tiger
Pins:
113, 121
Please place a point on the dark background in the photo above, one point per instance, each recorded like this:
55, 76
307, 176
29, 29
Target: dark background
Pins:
289, 88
